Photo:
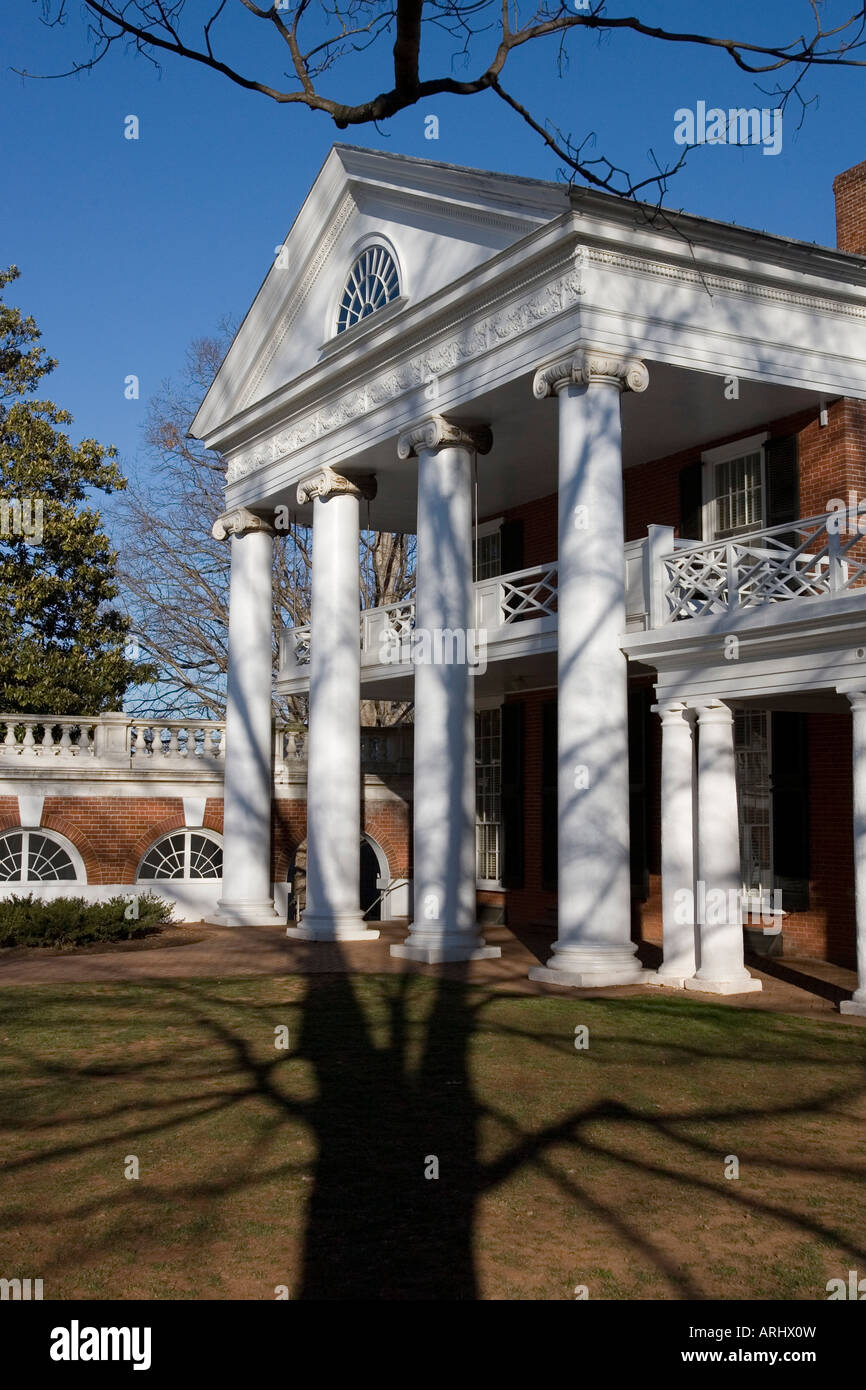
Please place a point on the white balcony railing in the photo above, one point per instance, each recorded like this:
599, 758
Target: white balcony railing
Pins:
523, 596
802, 559
667, 579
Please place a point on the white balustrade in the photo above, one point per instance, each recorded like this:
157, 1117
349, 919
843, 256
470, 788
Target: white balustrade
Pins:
801, 559
58, 737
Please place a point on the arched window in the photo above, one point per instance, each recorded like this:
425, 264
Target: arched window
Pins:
373, 282
37, 856
186, 854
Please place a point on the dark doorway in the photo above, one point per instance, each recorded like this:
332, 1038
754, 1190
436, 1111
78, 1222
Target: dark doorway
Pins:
369, 880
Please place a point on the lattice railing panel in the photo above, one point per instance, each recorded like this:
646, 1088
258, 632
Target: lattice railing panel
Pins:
528, 593
803, 559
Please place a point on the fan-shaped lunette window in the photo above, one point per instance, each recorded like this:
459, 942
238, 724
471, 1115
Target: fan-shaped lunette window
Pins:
32, 856
186, 854
373, 282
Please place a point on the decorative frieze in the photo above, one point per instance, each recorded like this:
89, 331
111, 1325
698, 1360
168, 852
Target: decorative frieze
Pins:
473, 338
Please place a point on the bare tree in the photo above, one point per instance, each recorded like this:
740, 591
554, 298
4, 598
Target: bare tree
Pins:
176, 576
321, 43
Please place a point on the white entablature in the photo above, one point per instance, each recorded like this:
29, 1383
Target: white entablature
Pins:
497, 276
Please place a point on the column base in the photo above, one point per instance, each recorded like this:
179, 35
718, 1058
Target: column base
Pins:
591, 967
589, 979
671, 981
338, 926
853, 1006
744, 985
245, 913
431, 950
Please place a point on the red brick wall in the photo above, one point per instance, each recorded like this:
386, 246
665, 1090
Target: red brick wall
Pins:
531, 902
832, 461
850, 190
112, 834
539, 529
389, 823
826, 931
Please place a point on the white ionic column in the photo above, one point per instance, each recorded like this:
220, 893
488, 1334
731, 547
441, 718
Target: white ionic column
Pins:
678, 788
719, 908
247, 887
333, 910
593, 945
445, 926
857, 1003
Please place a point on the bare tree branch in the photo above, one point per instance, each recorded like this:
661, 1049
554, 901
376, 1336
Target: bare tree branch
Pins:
319, 37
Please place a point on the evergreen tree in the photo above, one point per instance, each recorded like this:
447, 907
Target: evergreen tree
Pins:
61, 640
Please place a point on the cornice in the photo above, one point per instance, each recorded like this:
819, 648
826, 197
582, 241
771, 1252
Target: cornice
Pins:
444, 340
470, 336
725, 284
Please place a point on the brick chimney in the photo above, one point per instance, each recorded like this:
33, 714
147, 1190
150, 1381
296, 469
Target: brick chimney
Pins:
850, 191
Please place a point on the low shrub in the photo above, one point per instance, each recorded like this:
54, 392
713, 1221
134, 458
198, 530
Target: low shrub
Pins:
27, 921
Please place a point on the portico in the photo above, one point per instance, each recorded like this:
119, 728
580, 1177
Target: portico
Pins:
542, 341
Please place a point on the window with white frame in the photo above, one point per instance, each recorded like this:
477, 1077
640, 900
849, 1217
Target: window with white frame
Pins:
36, 856
488, 787
752, 753
184, 854
734, 488
487, 558
373, 282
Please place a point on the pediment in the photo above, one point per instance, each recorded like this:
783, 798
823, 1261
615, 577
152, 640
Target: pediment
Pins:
438, 221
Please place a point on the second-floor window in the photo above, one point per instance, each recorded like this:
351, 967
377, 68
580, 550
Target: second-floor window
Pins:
489, 553
734, 489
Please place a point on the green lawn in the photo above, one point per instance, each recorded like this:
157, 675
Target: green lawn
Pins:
305, 1167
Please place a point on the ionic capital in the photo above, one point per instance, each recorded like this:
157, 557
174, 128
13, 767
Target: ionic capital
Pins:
326, 482
857, 699
587, 367
436, 432
239, 521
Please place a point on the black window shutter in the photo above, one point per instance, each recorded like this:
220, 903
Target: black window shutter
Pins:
549, 767
639, 702
783, 481
511, 546
511, 798
691, 501
789, 789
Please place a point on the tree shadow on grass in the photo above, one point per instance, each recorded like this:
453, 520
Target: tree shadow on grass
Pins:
395, 1064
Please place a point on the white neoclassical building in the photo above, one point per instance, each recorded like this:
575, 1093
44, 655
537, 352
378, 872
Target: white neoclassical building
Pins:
619, 440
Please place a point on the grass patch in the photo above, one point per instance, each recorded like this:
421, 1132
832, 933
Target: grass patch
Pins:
261, 1166
27, 921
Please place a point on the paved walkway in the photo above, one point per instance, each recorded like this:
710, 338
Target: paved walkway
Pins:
790, 985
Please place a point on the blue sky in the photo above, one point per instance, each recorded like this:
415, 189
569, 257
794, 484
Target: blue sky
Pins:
130, 249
